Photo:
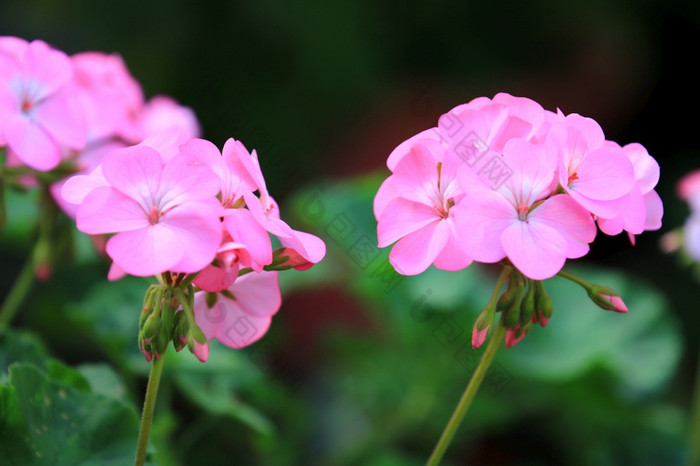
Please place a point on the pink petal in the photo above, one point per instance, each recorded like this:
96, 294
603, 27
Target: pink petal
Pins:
415, 252
532, 170
244, 164
62, 118
134, 171
480, 219
198, 231
147, 251
243, 228
655, 210
416, 175
385, 194
186, 178
214, 279
258, 294
31, 143
106, 210
310, 247
605, 209
402, 217
646, 168
536, 249
52, 68
605, 174
77, 187
452, 257
572, 221
206, 151
240, 322
404, 148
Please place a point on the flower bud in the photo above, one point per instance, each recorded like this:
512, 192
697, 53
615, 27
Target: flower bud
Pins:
514, 335
201, 350
481, 327
543, 305
159, 345
151, 326
607, 299
527, 308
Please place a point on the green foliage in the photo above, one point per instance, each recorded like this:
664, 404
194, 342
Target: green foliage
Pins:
51, 415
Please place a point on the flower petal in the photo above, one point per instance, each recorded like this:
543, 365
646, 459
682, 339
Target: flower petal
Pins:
536, 249
415, 252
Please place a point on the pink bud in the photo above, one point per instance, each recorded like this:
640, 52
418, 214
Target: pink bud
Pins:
148, 355
42, 272
538, 318
512, 338
617, 304
295, 260
201, 350
479, 337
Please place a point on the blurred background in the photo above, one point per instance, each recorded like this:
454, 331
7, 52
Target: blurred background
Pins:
362, 366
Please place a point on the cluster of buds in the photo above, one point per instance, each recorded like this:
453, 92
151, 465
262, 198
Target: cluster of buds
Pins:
167, 315
525, 302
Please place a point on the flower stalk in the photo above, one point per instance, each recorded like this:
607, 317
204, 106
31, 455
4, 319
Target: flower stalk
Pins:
148, 408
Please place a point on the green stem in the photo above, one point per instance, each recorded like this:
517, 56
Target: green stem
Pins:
469, 394
148, 406
20, 289
574, 278
694, 438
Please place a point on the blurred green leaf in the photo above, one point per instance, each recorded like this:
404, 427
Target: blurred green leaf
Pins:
55, 419
641, 349
19, 345
215, 386
108, 314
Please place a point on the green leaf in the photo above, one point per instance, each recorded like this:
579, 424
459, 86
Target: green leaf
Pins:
215, 386
110, 313
18, 345
52, 418
641, 349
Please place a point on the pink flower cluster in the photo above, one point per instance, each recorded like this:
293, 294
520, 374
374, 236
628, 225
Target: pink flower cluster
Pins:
503, 178
56, 108
190, 209
174, 206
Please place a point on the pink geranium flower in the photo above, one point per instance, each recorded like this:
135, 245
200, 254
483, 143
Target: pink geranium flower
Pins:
109, 95
598, 176
520, 220
39, 114
166, 216
644, 209
243, 320
416, 211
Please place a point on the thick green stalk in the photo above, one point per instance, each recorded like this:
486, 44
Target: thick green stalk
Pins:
148, 407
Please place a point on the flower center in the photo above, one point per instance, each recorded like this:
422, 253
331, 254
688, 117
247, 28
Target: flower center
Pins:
573, 177
154, 215
522, 212
27, 105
